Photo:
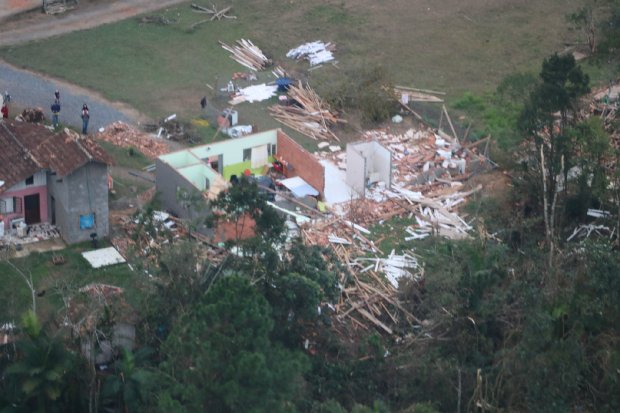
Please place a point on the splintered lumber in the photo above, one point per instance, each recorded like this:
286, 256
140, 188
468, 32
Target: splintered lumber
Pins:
311, 116
279, 71
247, 54
215, 14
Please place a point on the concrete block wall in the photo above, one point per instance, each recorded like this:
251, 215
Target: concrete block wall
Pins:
304, 164
83, 192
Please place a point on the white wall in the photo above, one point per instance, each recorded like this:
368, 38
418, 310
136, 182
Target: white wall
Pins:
40, 179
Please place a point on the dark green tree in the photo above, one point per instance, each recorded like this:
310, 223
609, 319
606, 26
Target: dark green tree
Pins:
549, 112
219, 357
126, 390
39, 379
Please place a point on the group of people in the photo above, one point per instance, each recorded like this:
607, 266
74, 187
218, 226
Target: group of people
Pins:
85, 114
55, 107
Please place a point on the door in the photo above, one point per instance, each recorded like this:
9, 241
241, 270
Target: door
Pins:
32, 209
53, 210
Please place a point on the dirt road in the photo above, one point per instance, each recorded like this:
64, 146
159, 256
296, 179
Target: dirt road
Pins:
36, 25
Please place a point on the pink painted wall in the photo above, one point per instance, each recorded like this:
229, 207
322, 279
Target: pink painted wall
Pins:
31, 190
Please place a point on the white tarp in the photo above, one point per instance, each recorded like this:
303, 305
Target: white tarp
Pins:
103, 257
299, 187
258, 93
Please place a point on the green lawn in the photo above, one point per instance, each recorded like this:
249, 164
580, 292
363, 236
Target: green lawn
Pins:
456, 46
73, 274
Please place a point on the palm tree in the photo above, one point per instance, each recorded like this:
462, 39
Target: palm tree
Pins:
40, 371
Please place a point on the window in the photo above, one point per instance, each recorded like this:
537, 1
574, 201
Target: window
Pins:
4, 206
247, 155
18, 205
30, 180
272, 149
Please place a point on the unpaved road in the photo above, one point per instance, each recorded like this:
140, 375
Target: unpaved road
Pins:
36, 25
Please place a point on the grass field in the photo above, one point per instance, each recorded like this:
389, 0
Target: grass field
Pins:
456, 46
73, 274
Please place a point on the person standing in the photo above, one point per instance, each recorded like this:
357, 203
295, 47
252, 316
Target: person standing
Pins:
57, 95
85, 119
203, 106
5, 111
7, 97
55, 112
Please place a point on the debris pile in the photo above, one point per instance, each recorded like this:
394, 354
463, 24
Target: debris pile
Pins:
27, 234
308, 114
605, 103
314, 52
145, 235
125, 136
247, 54
32, 115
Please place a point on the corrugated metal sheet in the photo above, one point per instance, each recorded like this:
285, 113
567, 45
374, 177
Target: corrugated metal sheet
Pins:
26, 148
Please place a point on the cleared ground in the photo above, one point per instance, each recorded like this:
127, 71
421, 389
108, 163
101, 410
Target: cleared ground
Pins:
454, 46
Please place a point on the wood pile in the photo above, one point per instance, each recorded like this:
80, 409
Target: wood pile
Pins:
279, 72
247, 54
308, 115
126, 136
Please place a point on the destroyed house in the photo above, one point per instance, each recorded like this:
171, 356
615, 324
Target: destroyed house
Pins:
207, 169
56, 178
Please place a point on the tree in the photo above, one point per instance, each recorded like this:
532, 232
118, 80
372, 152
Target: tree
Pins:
585, 20
42, 372
241, 202
561, 84
221, 357
126, 388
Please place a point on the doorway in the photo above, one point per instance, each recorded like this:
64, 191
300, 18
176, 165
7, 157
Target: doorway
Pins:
32, 209
53, 210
